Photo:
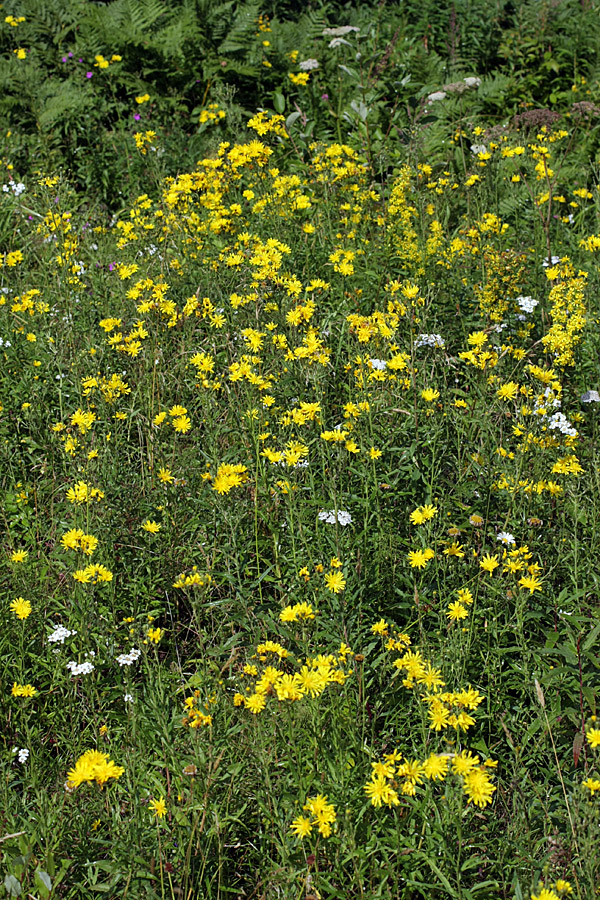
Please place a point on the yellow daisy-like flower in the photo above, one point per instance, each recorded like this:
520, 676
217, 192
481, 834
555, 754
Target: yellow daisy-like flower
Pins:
19, 556
335, 581
456, 611
158, 807
530, 582
150, 526
21, 608
593, 736
489, 563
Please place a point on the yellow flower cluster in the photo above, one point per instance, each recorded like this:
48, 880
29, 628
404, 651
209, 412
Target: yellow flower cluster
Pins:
311, 678
76, 539
321, 815
93, 574
93, 766
396, 775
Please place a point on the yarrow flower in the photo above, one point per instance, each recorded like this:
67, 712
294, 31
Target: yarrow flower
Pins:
429, 340
84, 668
128, 659
332, 516
60, 634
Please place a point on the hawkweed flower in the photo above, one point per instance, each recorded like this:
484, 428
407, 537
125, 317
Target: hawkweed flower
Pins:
158, 807
21, 608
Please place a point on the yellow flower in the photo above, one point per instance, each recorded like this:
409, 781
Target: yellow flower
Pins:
489, 563
23, 690
454, 549
508, 391
335, 581
143, 98
165, 476
418, 559
301, 826
255, 704
430, 394
21, 608
155, 634
182, 424
152, 527
19, 556
593, 736
422, 514
531, 582
158, 807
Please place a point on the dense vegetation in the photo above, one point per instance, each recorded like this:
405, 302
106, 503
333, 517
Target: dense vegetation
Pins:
299, 399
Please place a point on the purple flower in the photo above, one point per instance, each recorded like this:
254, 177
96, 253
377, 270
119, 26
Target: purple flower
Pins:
324, 96
64, 59
111, 267
88, 74
137, 117
79, 60
70, 54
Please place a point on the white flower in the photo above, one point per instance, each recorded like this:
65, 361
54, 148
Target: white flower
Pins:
127, 659
83, 668
23, 755
552, 262
478, 148
332, 516
60, 634
429, 340
340, 31
527, 304
128, 698
307, 64
559, 421
379, 364
472, 81
505, 538
437, 95
14, 186
590, 397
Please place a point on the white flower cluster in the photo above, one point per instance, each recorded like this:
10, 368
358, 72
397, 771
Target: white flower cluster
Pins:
429, 340
332, 516
553, 401
339, 30
476, 149
17, 187
550, 262
308, 64
60, 634
5, 343
128, 659
128, 698
559, 421
590, 397
527, 304
379, 364
23, 754
83, 668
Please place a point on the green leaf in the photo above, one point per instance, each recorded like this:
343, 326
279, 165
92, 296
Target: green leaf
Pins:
43, 882
12, 886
